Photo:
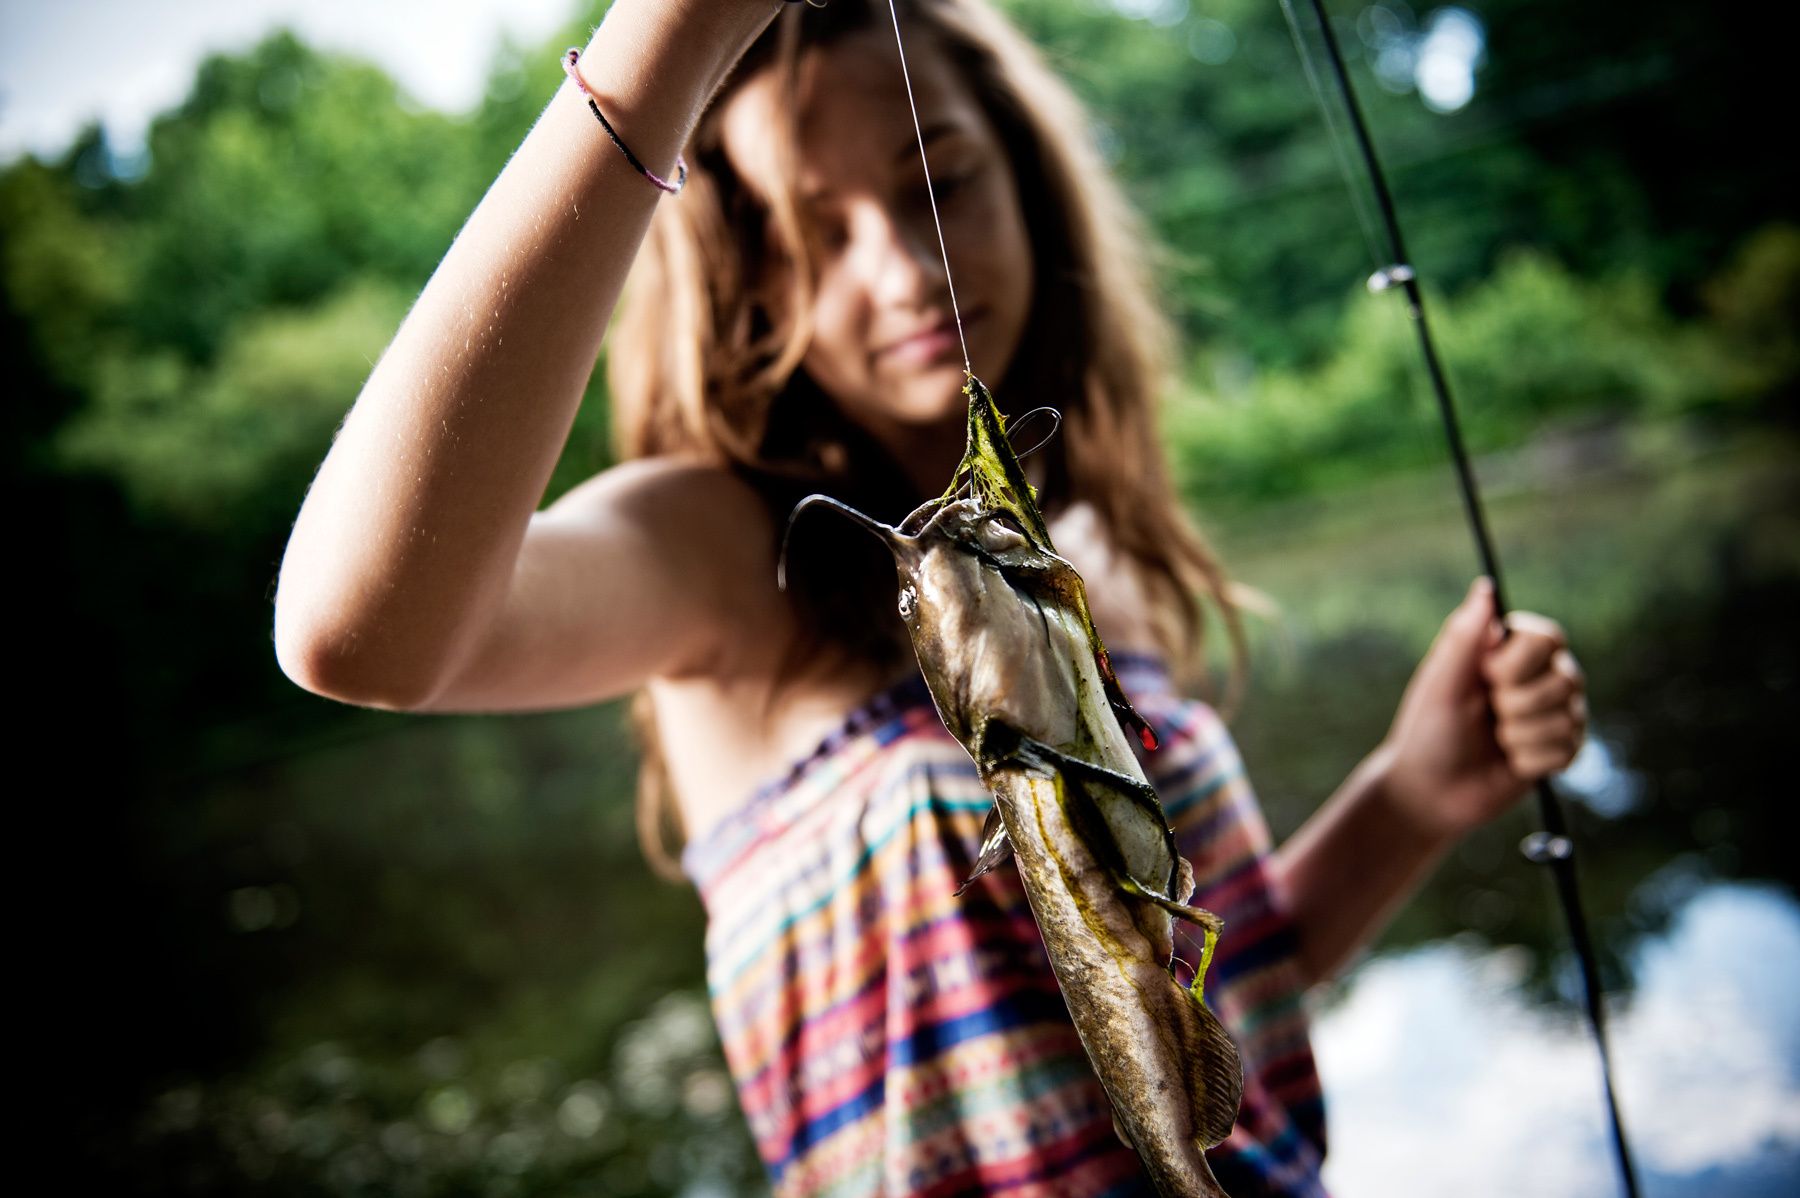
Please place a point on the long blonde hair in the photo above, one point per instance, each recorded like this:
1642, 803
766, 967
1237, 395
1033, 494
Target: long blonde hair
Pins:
712, 328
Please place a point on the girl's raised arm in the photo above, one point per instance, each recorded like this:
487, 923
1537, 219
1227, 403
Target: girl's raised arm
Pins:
407, 547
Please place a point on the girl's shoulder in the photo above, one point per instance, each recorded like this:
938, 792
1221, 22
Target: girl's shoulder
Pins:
707, 531
670, 491
703, 518
1118, 596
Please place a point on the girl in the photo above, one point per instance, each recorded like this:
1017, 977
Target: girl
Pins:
790, 328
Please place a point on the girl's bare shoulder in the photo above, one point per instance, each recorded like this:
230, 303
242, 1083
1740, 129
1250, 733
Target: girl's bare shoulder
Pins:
1118, 596
651, 569
705, 529
668, 494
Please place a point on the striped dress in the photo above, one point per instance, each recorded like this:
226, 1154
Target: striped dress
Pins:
887, 1037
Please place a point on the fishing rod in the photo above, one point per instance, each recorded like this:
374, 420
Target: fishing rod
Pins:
1552, 846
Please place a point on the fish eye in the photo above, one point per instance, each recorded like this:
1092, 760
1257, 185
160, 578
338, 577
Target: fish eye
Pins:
998, 534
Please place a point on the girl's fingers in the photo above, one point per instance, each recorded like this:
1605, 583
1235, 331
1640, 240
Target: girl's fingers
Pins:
1535, 640
1539, 763
1542, 744
1558, 727
1550, 691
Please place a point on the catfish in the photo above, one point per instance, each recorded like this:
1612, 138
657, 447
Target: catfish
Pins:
1001, 628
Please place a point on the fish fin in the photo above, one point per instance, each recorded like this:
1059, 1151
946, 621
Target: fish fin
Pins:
996, 849
1028, 751
1119, 1130
1199, 916
1129, 819
1215, 1078
1215, 1070
1181, 887
1115, 697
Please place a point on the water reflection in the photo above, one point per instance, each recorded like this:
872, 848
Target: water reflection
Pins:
1456, 1061
1707, 1052
1600, 781
450, 995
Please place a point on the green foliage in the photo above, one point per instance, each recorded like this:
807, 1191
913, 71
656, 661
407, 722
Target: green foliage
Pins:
198, 443
332, 1121
1754, 304
61, 270
1227, 159
1533, 346
217, 340
346, 179
1601, 157
464, 976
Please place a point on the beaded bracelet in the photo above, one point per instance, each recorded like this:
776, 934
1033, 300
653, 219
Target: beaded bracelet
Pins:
573, 56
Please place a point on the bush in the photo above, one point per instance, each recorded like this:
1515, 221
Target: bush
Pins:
1531, 346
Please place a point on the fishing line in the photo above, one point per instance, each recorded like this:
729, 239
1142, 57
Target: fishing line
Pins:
1335, 136
930, 192
1551, 847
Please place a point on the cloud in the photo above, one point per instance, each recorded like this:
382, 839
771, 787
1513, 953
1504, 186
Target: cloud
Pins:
1441, 1078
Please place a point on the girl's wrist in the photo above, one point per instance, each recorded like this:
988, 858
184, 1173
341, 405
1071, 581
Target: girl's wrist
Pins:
732, 23
697, 41
1417, 811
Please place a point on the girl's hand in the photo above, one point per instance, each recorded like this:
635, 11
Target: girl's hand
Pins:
1484, 717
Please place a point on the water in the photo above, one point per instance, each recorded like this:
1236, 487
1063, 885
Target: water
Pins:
1444, 1077
1455, 1057
430, 960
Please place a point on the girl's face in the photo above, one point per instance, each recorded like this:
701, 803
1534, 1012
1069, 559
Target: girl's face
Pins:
884, 342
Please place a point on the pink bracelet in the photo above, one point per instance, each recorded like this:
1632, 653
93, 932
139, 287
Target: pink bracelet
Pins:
570, 58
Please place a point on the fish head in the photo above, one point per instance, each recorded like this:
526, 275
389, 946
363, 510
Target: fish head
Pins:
999, 622
995, 622
995, 616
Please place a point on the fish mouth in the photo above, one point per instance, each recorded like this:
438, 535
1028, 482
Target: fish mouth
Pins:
900, 544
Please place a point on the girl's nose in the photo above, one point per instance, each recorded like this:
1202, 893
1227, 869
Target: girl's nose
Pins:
897, 259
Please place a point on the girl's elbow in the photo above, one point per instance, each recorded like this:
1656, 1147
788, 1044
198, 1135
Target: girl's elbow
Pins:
333, 668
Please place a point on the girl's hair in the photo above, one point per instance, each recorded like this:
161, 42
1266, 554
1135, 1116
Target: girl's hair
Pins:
713, 325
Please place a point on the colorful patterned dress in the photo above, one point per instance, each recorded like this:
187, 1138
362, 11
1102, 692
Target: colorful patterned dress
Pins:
887, 1037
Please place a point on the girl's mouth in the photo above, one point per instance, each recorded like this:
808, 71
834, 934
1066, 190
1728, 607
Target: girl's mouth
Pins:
930, 344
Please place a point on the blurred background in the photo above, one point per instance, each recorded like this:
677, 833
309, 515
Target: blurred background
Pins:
293, 948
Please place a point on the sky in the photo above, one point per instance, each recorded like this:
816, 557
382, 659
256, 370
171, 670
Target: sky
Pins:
65, 62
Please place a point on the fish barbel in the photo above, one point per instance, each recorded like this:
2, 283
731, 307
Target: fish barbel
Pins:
1001, 628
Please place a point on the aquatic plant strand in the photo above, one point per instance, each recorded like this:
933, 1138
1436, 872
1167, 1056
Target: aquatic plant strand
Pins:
1553, 846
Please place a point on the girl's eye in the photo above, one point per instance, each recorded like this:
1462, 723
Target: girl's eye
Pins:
946, 186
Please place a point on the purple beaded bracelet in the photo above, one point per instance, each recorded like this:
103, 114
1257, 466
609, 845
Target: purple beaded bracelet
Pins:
573, 56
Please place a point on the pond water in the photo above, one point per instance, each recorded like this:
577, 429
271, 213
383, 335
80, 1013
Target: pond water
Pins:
427, 958
1443, 1076
1455, 1057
